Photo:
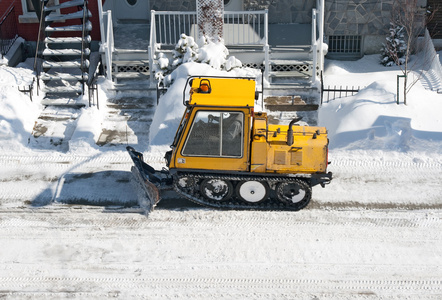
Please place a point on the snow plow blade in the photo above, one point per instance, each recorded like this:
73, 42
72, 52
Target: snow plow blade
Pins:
149, 181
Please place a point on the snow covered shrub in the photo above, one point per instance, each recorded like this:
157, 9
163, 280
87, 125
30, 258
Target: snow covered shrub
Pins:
187, 50
161, 67
213, 53
394, 51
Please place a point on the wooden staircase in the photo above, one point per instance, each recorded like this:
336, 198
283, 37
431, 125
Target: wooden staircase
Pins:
130, 63
290, 64
65, 54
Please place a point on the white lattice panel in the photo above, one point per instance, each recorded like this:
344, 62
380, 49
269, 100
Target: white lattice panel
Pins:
210, 17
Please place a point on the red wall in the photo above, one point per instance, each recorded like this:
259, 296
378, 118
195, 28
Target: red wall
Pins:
29, 31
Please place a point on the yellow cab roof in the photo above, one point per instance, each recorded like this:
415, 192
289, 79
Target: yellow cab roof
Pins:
223, 92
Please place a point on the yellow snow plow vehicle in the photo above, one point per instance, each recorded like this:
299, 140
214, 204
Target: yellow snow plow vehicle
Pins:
226, 155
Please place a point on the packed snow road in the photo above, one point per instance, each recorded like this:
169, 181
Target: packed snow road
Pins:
91, 253
70, 228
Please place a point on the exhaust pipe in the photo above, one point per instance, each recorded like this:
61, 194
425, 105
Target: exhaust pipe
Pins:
290, 131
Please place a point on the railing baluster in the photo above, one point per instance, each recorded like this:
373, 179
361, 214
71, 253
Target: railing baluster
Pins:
170, 31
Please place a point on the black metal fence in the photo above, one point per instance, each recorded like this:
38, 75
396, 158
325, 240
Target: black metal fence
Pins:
336, 93
8, 30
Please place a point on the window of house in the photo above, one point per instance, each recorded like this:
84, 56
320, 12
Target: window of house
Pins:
216, 133
345, 44
29, 15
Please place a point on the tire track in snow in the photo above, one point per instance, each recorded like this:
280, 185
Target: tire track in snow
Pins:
99, 218
90, 252
227, 284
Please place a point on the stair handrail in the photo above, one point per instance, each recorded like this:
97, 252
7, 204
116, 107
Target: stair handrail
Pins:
7, 18
36, 69
107, 38
320, 16
110, 44
314, 46
83, 35
152, 47
266, 48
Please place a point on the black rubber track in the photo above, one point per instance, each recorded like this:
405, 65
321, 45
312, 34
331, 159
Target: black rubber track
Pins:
272, 203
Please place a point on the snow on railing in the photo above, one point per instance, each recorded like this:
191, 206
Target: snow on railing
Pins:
107, 38
430, 64
241, 28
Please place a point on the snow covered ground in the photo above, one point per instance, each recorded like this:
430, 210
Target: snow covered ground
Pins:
70, 227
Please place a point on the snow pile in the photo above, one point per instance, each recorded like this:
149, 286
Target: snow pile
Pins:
372, 119
17, 113
88, 127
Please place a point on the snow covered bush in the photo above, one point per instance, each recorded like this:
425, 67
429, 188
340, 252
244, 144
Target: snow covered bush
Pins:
215, 54
394, 51
186, 50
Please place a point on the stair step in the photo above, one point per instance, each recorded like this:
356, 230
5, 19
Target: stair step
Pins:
73, 40
130, 51
289, 74
75, 15
62, 102
69, 28
131, 87
65, 52
63, 89
135, 62
132, 75
280, 62
64, 64
299, 48
64, 5
64, 76
294, 107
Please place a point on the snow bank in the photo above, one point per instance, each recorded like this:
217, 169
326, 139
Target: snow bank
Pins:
6, 58
372, 120
17, 113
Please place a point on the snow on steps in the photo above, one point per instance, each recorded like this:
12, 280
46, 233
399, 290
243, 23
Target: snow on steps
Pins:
64, 76
54, 128
68, 4
65, 52
69, 28
75, 15
67, 102
68, 40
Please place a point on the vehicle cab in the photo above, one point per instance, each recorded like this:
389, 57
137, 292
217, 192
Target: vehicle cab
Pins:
214, 133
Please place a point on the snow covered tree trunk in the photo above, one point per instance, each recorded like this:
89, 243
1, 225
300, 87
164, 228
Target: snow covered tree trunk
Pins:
210, 17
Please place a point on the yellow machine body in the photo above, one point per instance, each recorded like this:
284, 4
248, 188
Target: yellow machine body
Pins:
202, 142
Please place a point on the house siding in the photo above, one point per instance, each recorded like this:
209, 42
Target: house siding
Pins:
173, 5
29, 31
356, 17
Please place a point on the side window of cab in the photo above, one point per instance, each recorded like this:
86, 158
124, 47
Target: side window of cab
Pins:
216, 133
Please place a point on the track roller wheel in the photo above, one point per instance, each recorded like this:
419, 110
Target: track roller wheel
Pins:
185, 182
252, 191
216, 189
296, 194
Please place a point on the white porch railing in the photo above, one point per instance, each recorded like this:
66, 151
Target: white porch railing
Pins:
318, 39
243, 28
240, 28
107, 38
